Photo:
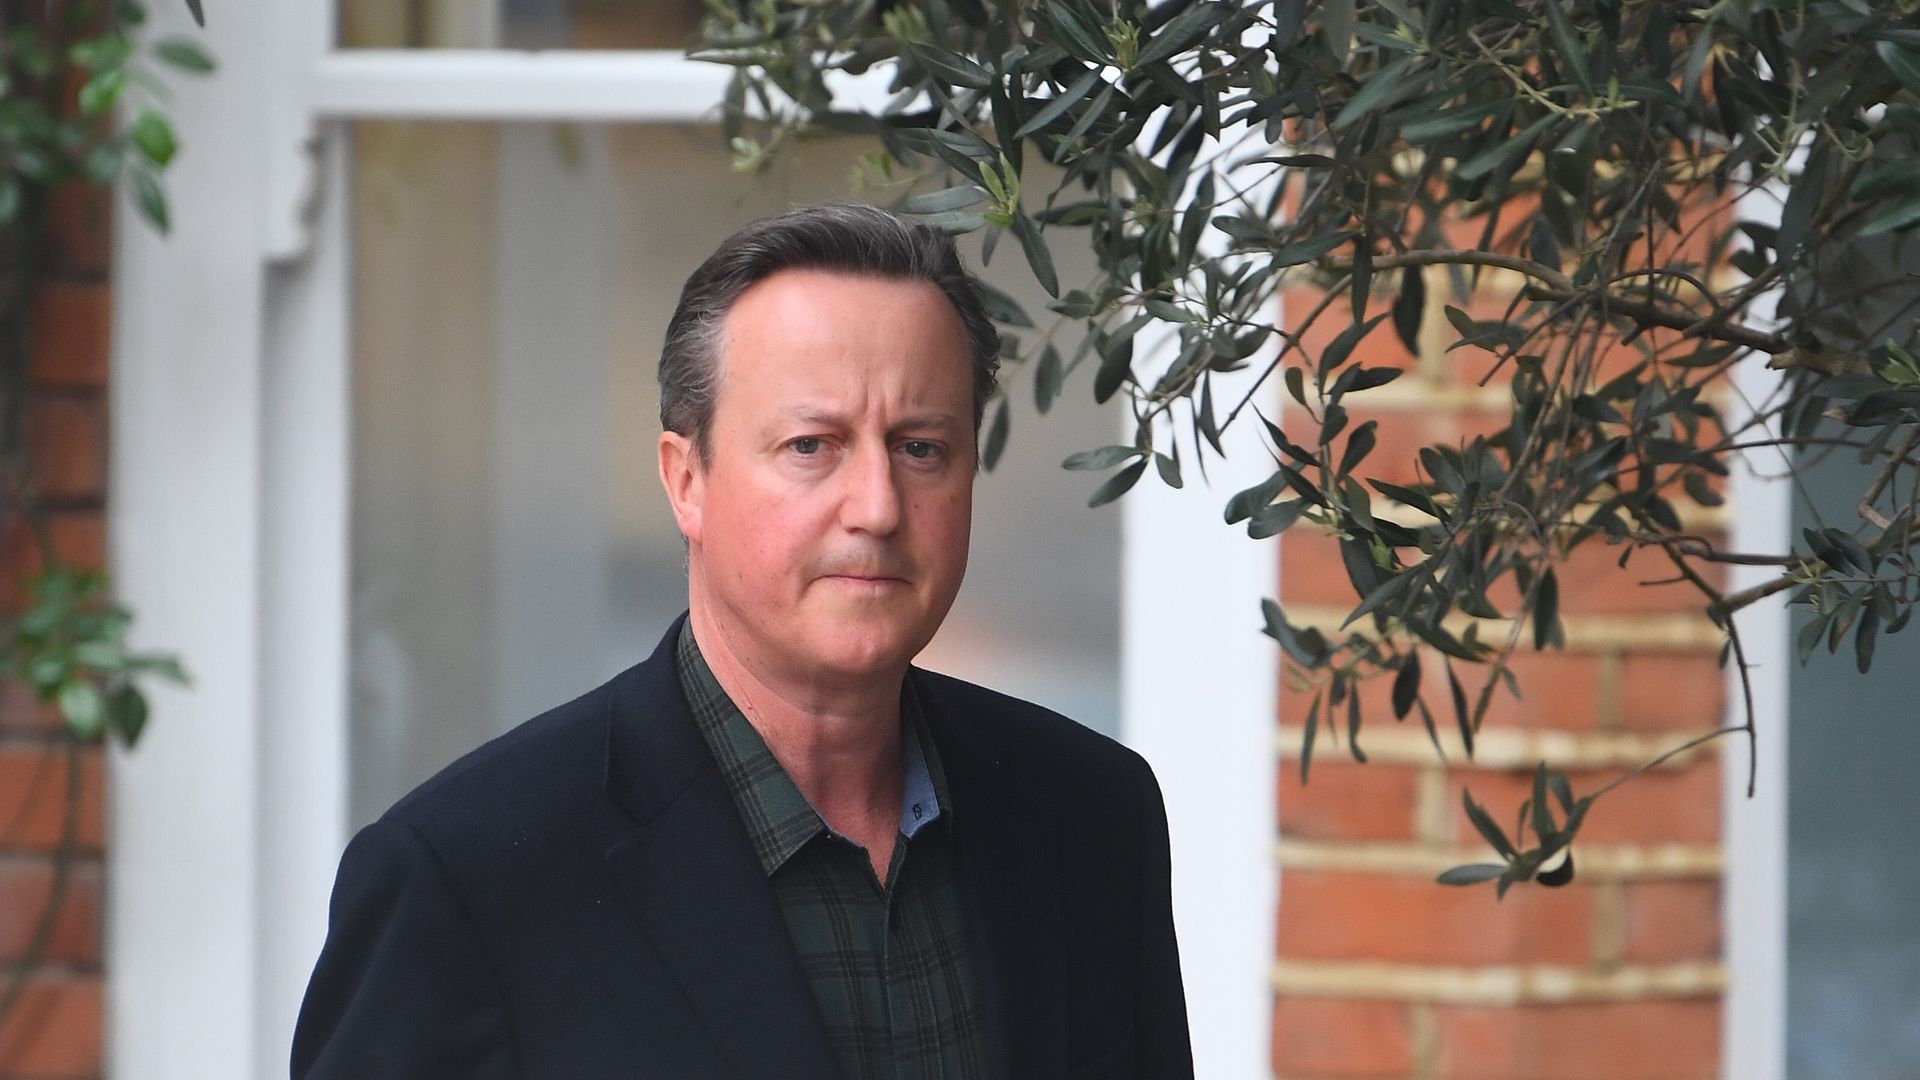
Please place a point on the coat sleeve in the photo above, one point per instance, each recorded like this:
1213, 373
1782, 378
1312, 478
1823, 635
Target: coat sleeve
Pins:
1164, 1047
402, 988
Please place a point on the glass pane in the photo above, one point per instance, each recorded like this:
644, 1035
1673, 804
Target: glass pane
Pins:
511, 546
1853, 945
518, 24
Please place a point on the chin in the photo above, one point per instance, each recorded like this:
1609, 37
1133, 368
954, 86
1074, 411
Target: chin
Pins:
870, 649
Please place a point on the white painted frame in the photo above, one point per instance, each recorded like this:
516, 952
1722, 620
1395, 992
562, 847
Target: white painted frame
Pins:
229, 464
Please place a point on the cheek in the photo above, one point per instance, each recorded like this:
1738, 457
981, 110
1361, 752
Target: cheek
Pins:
949, 526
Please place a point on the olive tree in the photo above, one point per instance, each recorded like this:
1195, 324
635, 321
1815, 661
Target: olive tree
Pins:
1646, 193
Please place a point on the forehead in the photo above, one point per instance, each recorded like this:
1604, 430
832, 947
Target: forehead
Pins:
802, 330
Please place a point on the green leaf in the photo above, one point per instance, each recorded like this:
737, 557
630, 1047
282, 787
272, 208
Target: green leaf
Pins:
1116, 367
1244, 504
1305, 251
1568, 43
1061, 102
1409, 308
1546, 610
1863, 640
82, 708
1887, 178
154, 136
99, 93
1169, 468
1486, 826
1047, 378
1306, 739
1118, 484
1503, 153
9, 199
164, 667
1274, 519
1104, 458
185, 54
151, 200
1543, 826
1073, 35
1460, 714
1342, 346
1471, 874
127, 713
996, 437
1899, 217
1183, 32
1353, 728
935, 202
1038, 256
1448, 122
1406, 685
1359, 445
1387, 81
1903, 62
952, 67
1803, 198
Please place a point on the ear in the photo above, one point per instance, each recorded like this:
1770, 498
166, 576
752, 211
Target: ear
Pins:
684, 481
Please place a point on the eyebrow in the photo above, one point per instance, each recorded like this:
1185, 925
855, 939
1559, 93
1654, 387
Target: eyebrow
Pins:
826, 418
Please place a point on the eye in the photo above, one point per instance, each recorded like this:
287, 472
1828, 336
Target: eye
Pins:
921, 449
805, 446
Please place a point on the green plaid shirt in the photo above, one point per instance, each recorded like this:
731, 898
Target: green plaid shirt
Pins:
887, 962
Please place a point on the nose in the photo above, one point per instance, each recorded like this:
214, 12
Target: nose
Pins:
872, 499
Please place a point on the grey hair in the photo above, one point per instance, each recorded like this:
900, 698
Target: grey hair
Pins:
846, 237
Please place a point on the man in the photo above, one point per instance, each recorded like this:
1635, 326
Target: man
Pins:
774, 849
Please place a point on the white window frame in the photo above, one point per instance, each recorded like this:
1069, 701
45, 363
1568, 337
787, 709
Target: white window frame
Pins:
229, 535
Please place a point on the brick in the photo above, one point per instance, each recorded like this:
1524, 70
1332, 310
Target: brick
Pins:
1592, 582
1393, 918
80, 220
1558, 690
72, 325
1671, 921
1311, 570
79, 539
55, 1030
25, 887
1641, 1040
1400, 436
22, 713
1671, 692
1330, 1038
1661, 806
33, 791
1344, 800
67, 441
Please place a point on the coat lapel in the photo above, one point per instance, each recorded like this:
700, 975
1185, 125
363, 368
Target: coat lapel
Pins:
1009, 875
691, 875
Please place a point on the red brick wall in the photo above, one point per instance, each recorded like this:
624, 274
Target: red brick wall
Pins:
55, 1030
1382, 973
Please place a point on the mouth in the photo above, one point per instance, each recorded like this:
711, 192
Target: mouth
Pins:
861, 581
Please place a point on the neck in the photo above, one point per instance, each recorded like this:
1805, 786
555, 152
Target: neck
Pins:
839, 743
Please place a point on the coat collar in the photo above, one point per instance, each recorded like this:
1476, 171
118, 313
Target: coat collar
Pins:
690, 872
1006, 857
697, 887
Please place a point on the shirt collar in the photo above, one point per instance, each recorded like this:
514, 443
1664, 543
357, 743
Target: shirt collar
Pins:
778, 818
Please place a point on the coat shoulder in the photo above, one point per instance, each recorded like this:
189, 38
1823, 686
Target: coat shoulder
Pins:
531, 780
1032, 740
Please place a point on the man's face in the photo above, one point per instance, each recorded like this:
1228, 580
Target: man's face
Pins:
828, 528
